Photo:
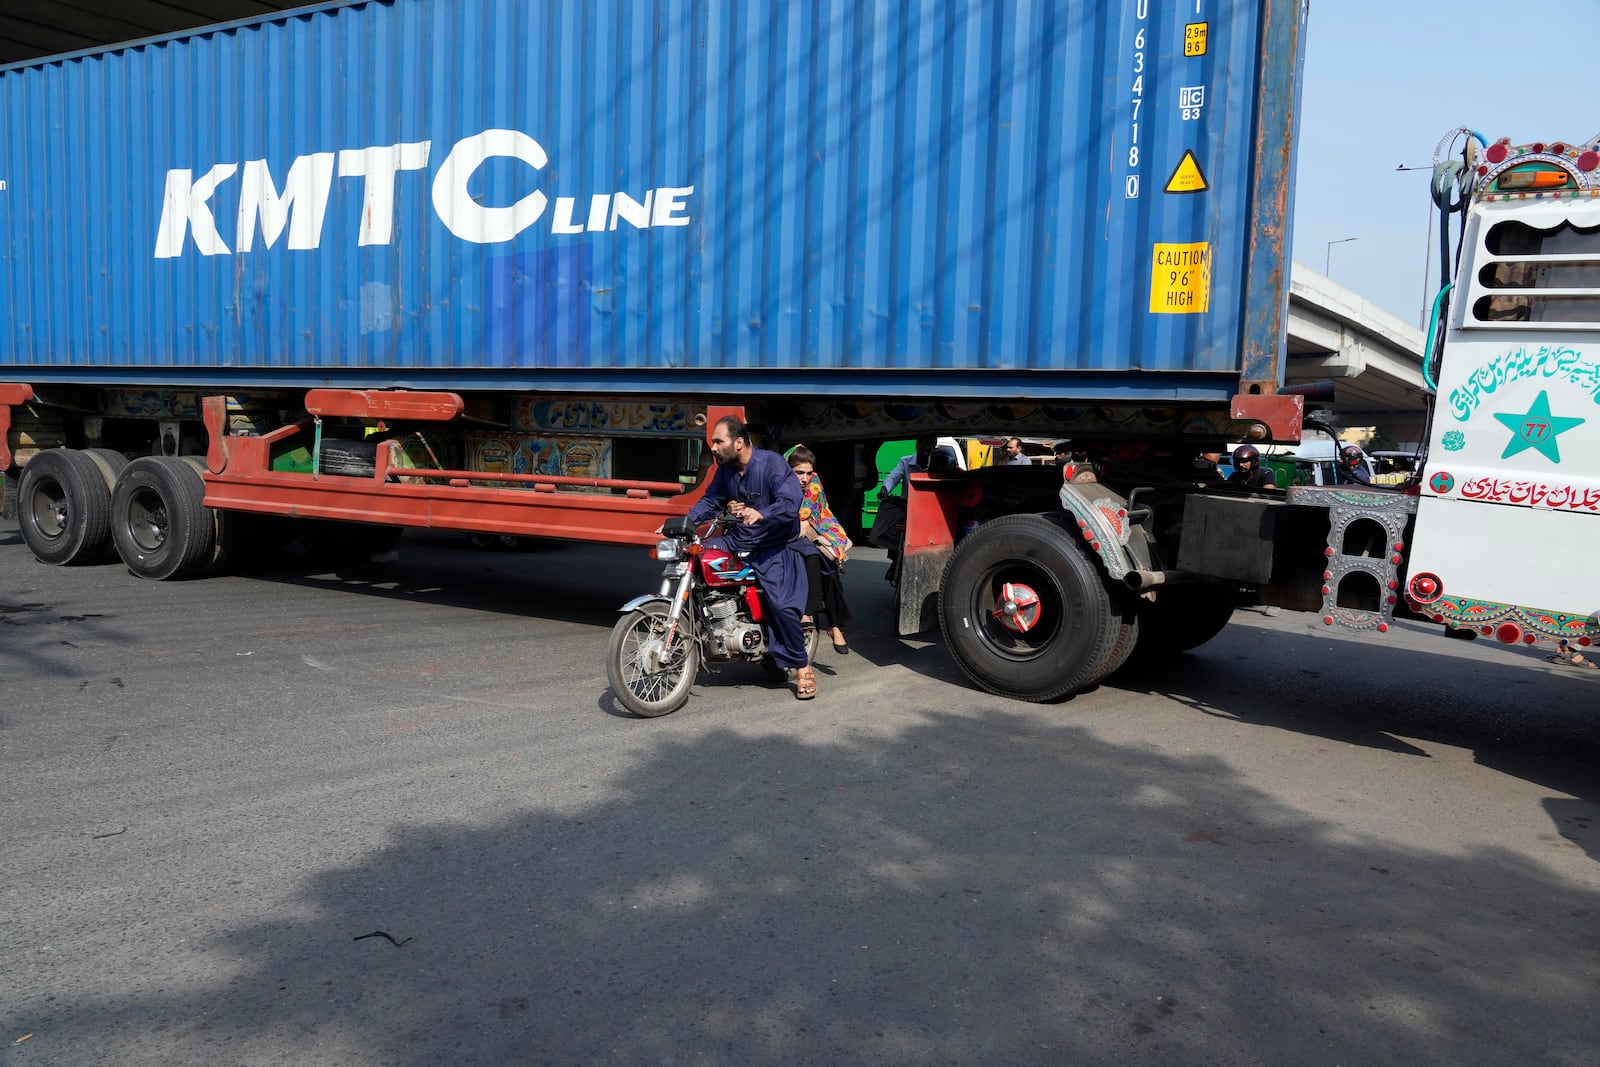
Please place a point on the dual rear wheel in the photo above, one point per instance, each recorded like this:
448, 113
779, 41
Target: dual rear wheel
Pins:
159, 521
75, 506
1027, 613
64, 504
83, 506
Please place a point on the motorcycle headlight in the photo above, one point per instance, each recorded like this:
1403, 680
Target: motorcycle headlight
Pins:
668, 549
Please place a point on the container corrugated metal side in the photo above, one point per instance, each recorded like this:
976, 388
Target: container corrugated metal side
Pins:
979, 197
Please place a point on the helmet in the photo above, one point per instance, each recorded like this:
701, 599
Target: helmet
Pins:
1350, 456
1246, 454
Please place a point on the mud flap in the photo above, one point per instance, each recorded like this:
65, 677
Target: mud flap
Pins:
918, 599
932, 506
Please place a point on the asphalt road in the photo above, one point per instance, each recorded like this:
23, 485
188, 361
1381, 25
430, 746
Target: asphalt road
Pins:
1292, 847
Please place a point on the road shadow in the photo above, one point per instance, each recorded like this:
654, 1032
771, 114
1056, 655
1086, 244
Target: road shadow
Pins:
1516, 712
557, 580
973, 889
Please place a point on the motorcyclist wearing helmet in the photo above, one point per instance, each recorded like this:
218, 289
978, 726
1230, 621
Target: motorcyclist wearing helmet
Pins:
1352, 466
1248, 470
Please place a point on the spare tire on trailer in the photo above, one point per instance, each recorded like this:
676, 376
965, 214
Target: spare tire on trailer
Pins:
159, 521
64, 508
349, 459
1026, 613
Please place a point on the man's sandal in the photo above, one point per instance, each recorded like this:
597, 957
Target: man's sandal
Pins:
805, 683
1569, 658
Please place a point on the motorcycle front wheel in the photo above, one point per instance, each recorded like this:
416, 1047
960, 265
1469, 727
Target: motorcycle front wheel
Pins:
647, 682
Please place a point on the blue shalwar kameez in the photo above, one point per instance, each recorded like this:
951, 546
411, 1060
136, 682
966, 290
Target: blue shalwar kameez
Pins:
770, 546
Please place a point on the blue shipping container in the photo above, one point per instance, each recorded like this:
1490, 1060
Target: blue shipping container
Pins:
1050, 199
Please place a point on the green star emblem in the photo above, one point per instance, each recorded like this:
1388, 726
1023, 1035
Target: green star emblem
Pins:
1538, 430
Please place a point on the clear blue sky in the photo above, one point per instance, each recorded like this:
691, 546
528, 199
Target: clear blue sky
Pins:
1384, 80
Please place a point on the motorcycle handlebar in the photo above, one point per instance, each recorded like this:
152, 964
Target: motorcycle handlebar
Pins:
682, 528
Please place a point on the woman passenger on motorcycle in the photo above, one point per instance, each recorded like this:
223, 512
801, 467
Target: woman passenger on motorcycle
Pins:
826, 605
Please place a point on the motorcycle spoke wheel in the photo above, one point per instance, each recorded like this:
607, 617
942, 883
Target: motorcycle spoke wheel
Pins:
643, 679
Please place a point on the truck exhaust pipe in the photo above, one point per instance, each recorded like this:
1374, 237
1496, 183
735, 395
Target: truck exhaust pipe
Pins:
1140, 580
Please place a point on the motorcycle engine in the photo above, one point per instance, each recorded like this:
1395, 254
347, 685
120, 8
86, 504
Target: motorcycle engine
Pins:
729, 632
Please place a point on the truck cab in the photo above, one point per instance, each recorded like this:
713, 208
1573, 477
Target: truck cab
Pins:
1510, 495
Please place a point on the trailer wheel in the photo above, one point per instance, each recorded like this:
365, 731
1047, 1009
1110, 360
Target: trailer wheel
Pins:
111, 463
1184, 617
645, 682
1024, 611
64, 508
159, 521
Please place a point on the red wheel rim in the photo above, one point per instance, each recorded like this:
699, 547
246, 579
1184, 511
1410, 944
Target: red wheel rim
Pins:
1017, 607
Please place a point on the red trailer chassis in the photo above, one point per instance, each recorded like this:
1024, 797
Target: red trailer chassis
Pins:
239, 477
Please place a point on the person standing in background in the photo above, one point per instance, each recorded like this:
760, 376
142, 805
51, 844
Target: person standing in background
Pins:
916, 461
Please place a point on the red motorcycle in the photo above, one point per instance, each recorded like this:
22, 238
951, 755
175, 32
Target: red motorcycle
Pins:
707, 611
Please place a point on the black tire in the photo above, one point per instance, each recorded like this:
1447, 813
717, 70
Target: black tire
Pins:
349, 459
220, 559
159, 520
64, 508
1184, 617
240, 537
640, 683
1127, 641
1073, 633
111, 464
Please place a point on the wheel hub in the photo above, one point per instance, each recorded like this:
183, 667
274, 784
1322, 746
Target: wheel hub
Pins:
1017, 607
654, 655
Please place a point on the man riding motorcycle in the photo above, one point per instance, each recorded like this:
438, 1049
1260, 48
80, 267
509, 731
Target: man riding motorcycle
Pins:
756, 486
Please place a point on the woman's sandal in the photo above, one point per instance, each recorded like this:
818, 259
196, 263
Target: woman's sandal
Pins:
805, 683
1567, 657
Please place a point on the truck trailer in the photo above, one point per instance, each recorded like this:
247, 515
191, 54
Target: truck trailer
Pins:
498, 266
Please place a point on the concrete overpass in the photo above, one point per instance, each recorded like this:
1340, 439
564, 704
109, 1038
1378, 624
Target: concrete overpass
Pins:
1373, 358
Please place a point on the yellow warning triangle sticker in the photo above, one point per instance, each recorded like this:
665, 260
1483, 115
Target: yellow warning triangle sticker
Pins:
1187, 177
